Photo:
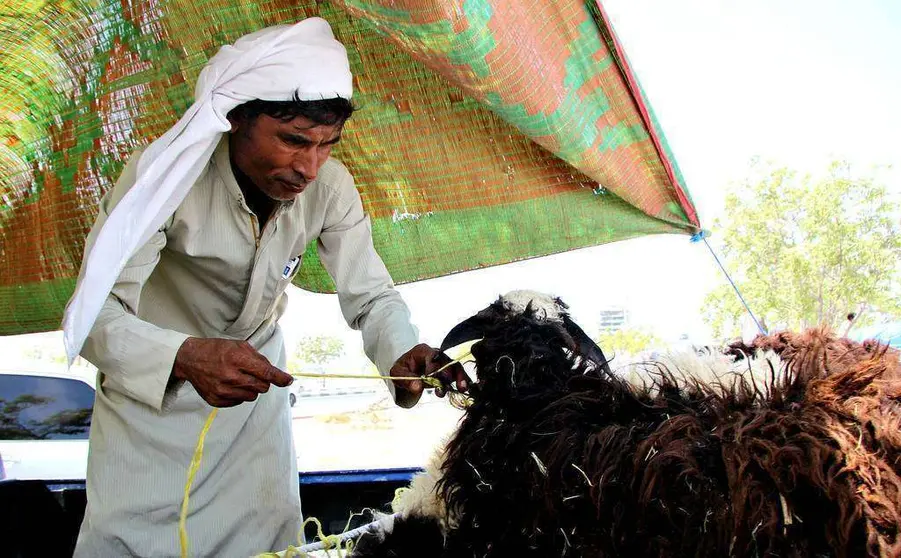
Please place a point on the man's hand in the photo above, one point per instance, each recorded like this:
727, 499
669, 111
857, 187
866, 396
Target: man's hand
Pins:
423, 360
225, 372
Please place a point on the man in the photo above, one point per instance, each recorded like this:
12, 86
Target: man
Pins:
197, 241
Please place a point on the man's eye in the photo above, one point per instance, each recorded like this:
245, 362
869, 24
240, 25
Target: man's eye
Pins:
295, 141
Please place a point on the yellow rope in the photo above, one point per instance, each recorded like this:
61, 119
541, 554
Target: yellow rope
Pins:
456, 399
431, 382
192, 471
329, 542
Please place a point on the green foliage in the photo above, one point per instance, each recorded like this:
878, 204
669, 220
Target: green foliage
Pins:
316, 351
629, 341
43, 354
808, 251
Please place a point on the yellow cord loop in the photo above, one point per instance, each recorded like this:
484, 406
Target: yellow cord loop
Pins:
456, 398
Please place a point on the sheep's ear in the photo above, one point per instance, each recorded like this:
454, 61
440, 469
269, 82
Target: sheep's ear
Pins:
467, 330
587, 348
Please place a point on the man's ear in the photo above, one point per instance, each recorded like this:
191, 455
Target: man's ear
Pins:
235, 122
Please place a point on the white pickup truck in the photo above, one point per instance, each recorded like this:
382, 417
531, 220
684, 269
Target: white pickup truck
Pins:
45, 419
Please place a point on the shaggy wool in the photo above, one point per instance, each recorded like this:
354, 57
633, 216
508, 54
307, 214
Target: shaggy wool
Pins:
786, 446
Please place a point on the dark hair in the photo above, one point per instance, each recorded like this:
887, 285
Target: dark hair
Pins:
325, 112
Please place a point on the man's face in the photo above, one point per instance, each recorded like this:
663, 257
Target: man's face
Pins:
281, 157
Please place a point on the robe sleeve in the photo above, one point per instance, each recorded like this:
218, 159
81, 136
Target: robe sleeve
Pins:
366, 291
134, 357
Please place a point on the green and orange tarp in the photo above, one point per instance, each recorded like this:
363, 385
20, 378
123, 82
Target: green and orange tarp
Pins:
489, 131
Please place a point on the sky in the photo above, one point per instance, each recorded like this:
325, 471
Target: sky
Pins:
796, 82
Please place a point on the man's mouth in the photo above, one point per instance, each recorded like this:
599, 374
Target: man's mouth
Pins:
293, 186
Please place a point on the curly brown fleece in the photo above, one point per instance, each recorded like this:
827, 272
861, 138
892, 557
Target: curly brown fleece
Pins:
854, 391
555, 460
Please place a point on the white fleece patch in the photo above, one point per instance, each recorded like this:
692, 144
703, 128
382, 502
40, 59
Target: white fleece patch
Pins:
713, 368
544, 305
421, 497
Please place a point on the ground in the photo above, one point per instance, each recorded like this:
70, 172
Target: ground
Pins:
368, 432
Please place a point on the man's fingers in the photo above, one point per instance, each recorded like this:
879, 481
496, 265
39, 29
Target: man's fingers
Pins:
462, 380
242, 395
252, 362
244, 380
454, 373
230, 397
270, 375
275, 376
413, 386
407, 392
457, 374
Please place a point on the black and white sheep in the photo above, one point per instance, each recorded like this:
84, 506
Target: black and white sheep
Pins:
795, 451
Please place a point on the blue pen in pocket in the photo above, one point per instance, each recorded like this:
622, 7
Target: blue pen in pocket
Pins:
290, 267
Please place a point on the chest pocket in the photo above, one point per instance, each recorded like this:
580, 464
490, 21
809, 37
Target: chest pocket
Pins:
288, 271
291, 268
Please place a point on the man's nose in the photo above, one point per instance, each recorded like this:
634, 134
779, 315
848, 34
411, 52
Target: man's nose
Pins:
306, 163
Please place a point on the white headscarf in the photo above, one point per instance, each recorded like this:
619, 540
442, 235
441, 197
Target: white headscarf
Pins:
275, 64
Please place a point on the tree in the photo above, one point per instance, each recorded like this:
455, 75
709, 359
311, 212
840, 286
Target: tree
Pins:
316, 351
808, 251
627, 341
41, 353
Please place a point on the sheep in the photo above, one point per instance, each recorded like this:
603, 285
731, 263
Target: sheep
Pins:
799, 455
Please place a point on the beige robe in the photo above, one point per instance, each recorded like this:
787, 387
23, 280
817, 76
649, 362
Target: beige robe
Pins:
210, 272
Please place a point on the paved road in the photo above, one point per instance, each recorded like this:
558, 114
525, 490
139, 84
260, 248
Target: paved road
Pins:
369, 432
330, 404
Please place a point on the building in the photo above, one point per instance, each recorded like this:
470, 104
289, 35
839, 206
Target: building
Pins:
613, 319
